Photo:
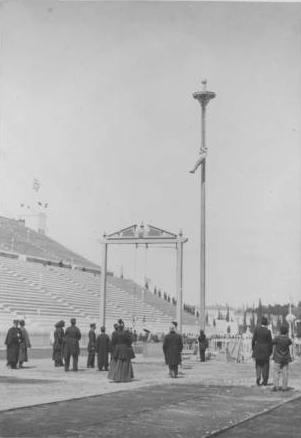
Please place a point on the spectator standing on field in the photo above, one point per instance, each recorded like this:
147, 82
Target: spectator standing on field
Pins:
203, 345
12, 342
282, 358
91, 346
58, 344
102, 349
24, 344
123, 353
112, 347
262, 349
71, 345
172, 348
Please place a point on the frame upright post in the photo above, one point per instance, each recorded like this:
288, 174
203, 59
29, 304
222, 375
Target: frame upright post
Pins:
179, 282
103, 286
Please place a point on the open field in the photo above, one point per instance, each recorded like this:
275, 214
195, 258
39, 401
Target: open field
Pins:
43, 401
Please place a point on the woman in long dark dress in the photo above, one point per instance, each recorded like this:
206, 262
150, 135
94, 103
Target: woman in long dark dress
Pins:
123, 353
24, 344
112, 347
58, 344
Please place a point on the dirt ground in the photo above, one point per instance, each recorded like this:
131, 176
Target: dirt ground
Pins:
206, 400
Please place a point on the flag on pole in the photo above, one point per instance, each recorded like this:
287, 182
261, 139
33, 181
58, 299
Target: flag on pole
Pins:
36, 184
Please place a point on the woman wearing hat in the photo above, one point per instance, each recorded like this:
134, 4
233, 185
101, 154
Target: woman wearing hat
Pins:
24, 344
112, 346
58, 344
123, 353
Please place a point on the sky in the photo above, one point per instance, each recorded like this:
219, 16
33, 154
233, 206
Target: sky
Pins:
96, 102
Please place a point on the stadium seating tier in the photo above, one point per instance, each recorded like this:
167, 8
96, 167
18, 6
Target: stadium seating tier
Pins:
42, 282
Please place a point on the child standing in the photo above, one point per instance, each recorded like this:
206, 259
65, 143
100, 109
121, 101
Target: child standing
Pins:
281, 357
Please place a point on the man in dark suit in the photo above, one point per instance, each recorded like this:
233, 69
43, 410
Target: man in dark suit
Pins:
71, 345
102, 349
91, 346
262, 349
172, 348
203, 345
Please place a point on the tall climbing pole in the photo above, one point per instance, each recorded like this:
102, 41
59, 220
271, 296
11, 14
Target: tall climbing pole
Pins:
203, 97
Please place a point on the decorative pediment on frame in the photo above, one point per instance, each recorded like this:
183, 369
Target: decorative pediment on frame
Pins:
142, 232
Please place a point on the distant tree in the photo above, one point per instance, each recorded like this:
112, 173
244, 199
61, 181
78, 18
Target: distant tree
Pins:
278, 324
252, 323
284, 314
244, 323
259, 312
241, 329
228, 314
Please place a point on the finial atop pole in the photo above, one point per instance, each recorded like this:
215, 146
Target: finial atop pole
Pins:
204, 96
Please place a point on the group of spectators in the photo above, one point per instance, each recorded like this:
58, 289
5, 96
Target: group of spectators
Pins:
114, 354
263, 347
119, 347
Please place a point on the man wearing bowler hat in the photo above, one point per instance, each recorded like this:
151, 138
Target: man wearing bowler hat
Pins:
71, 345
